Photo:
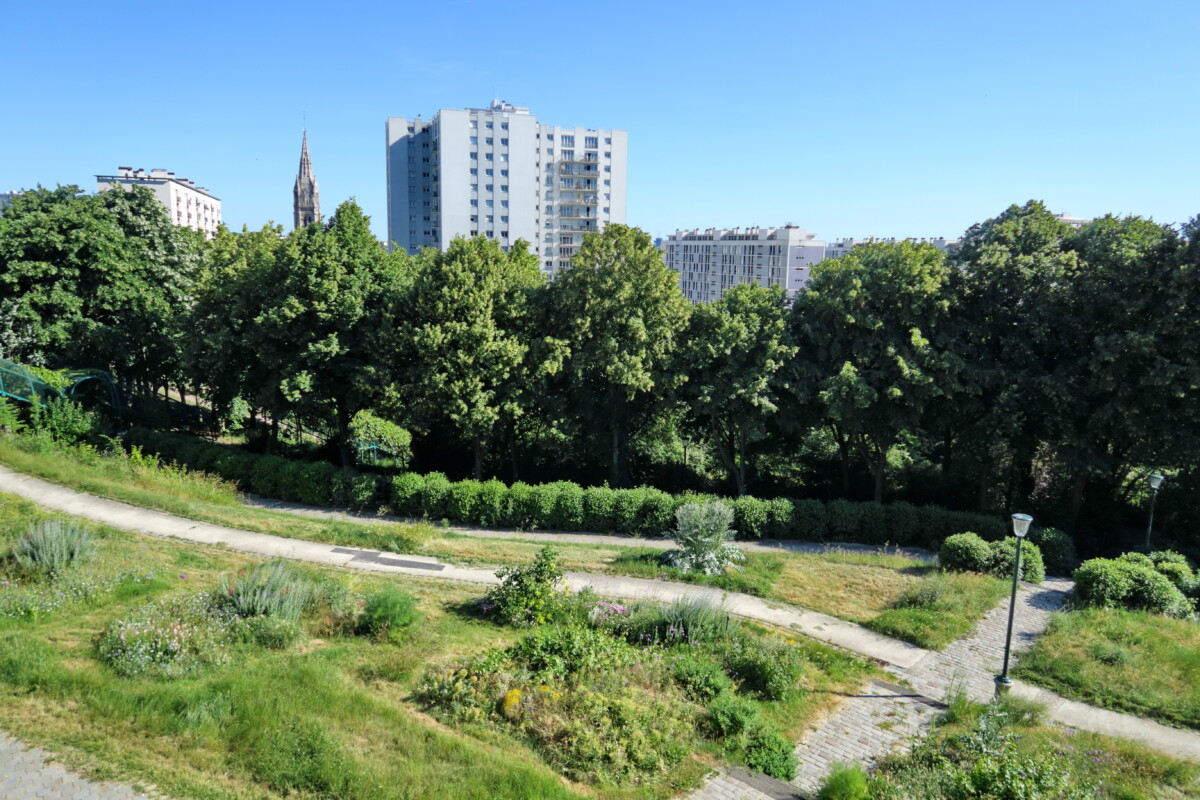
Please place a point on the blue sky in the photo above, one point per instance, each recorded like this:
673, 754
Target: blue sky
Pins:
849, 119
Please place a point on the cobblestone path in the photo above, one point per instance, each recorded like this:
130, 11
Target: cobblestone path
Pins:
884, 716
27, 774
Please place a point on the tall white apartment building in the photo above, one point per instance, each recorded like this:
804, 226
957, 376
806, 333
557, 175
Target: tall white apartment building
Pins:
712, 261
498, 172
187, 204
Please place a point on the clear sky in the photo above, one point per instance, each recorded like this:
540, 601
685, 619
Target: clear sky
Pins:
847, 118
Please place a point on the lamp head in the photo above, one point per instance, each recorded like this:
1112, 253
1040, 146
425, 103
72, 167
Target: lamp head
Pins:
1156, 481
1021, 525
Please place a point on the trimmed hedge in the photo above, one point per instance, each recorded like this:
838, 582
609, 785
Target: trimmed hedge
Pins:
1128, 583
560, 506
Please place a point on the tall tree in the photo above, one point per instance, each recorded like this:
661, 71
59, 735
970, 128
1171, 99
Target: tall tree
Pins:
873, 339
620, 310
733, 353
329, 287
474, 351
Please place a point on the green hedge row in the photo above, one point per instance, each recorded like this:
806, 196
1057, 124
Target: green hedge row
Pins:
560, 506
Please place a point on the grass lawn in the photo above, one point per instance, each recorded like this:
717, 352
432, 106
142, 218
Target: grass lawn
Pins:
859, 587
1094, 766
1134, 661
333, 714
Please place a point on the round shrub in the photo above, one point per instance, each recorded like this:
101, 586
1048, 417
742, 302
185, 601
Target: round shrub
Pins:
1058, 550
808, 520
965, 552
771, 753
311, 484
462, 500
730, 715
749, 517
358, 491
568, 507
842, 520
1005, 551
1160, 557
656, 513
236, 467
406, 494
1153, 591
779, 518
269, 476
522, 510
434, 494
598, 509
700, 680
845, 782
1181, 575
273, 633
491, 503
543, 498
1140, 559
627, 503
1103, 582
771, 669
386, 612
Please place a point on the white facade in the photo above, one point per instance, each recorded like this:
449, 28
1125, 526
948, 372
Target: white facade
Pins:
1074, 222
840, 247
500, 173
187, 204
6, 199
712, 261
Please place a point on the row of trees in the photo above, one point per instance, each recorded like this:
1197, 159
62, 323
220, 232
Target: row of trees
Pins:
1034, 364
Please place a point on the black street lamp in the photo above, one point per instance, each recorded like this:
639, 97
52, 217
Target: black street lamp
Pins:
1020, 523
1155, 482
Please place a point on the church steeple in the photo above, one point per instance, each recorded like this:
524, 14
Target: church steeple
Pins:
306, 205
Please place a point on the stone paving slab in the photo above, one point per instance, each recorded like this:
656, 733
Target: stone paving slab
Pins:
26, 773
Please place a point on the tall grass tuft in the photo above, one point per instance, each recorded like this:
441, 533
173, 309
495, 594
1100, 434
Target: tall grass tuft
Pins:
272, 589
50, 547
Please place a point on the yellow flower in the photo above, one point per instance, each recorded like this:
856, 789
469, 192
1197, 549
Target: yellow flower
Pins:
512, 703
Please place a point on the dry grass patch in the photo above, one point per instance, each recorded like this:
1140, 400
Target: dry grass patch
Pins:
858, 592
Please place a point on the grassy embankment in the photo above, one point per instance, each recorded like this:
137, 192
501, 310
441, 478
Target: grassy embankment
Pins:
332, 714
1132, 661
890, 593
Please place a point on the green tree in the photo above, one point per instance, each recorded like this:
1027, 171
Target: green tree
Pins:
735, 349
329, 289
874, 343
474, 354
620, 311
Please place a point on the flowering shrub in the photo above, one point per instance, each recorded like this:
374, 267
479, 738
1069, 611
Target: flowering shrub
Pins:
563, 652
30, 602
527, 595
169, 638
704, 537
772, 668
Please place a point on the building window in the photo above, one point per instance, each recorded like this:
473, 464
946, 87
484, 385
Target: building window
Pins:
489, 126
474, 124
491, 234
504, 234
549, 210
474, 187
475, 156
489, 140
591, 141
606, 209
568, 155
475, 203
474, 140
488, 203
503, 126
607, 140
504, 219
607, 168
504, 187
474, 170
488, 172
488, 156
504, 142
504, 156
503, 203
489, 186
608, 154
567, 141
550, 138
411, 129
607, 182
504, 173
474, 218
490, 219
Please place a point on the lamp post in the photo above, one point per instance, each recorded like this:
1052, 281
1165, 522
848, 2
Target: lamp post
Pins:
1155, 482
1020, 523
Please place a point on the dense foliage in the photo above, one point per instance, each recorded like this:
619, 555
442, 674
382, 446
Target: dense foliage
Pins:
1035, 366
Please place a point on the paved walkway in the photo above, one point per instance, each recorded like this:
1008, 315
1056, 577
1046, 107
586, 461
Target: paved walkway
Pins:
602, 539
869, 725
26, 773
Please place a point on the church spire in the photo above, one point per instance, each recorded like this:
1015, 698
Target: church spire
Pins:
306, 205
